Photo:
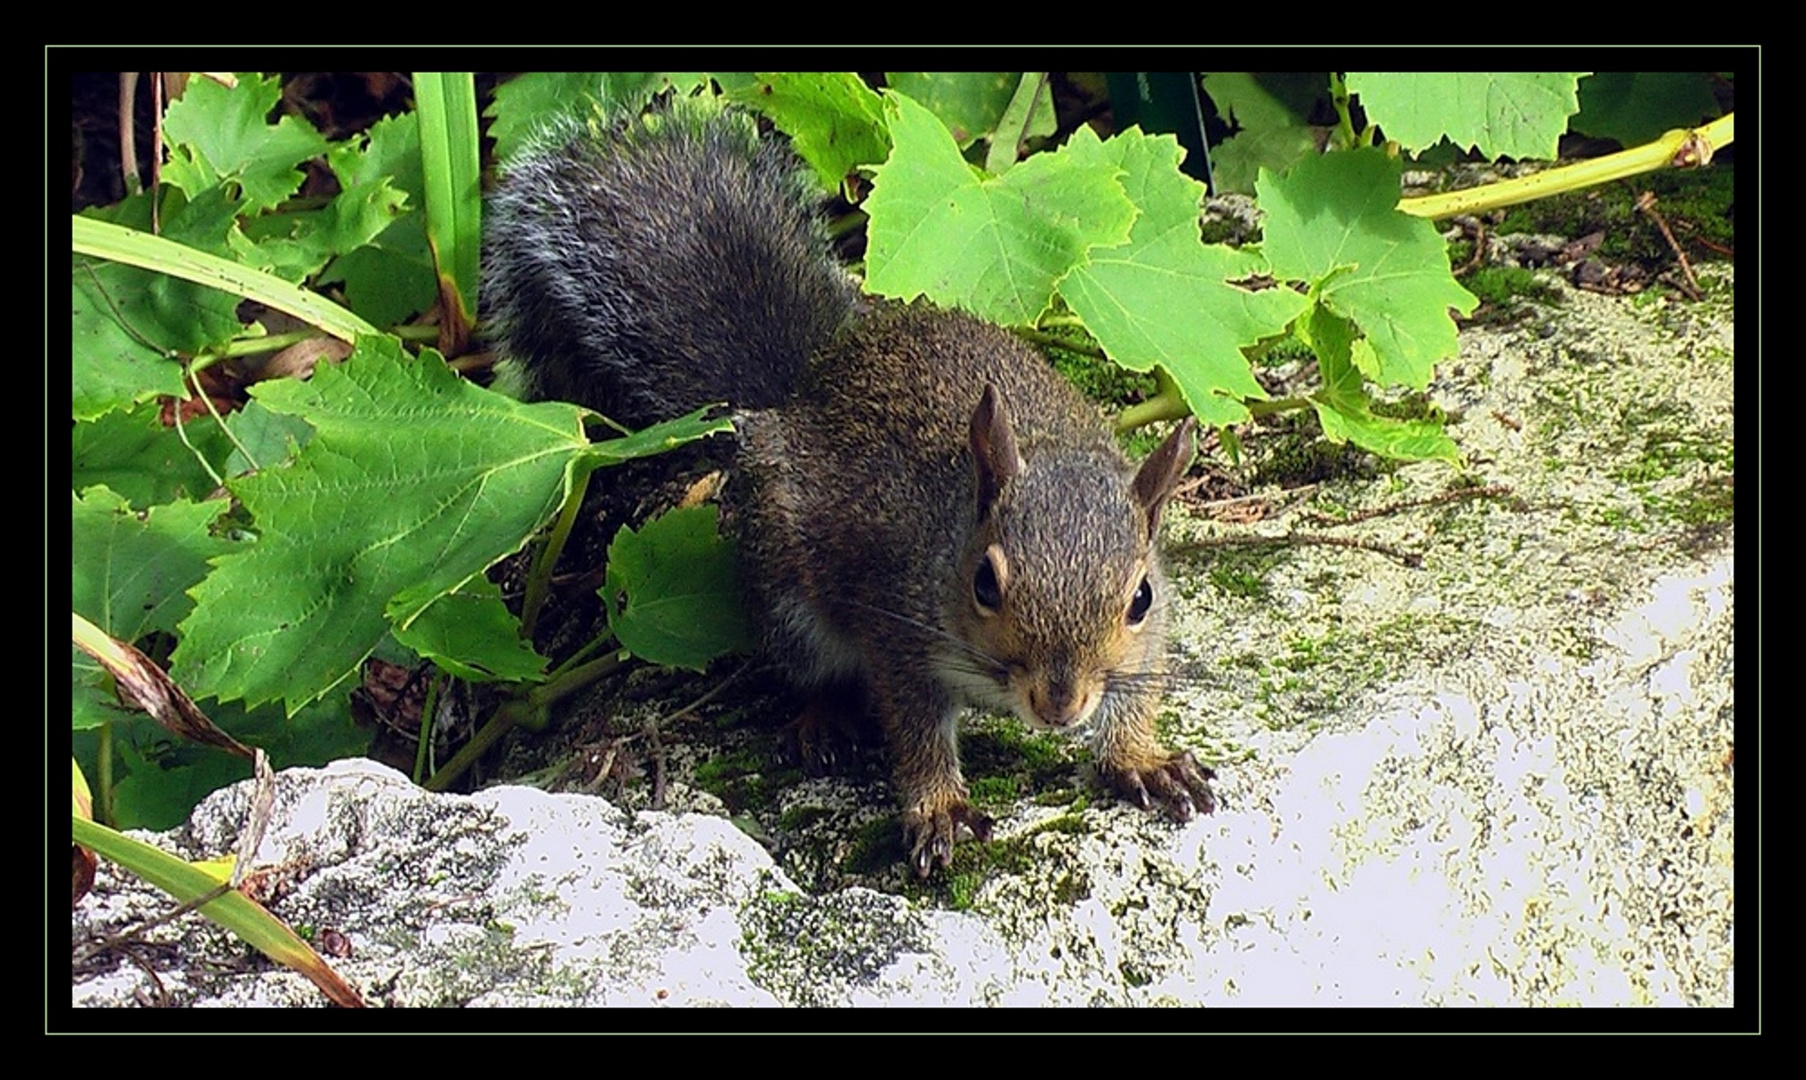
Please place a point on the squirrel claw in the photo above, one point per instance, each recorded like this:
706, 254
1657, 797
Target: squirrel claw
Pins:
1178, 783
931, 834
821, 738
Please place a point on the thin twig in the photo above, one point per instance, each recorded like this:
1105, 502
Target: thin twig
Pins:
658, 765
1409, 559
1479, 255
134, 932
1646, 203
175, 413
706, 698
651, 731
1490, 490
1288, 495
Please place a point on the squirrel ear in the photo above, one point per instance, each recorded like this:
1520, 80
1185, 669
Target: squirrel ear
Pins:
1160, 473
994, 457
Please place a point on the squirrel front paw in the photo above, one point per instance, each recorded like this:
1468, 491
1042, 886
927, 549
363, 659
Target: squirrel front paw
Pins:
931, 828
1176, 781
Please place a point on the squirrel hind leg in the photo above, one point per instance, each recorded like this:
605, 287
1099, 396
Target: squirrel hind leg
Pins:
829, 732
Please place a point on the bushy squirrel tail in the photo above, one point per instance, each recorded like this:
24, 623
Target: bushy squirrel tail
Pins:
658, 264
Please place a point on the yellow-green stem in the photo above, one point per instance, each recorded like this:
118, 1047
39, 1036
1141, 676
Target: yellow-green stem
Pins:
1647, 158
539, 579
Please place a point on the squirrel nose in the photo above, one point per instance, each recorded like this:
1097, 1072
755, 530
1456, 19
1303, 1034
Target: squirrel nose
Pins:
1060, 702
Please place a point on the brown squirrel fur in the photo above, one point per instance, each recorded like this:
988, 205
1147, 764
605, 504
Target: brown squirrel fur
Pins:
930, 517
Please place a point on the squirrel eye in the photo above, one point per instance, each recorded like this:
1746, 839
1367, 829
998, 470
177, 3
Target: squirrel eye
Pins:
985, 590
1144, 599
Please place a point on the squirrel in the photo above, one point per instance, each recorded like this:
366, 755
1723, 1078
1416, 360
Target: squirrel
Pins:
929, 516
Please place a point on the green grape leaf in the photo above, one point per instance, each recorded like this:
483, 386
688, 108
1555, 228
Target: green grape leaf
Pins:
414, 483
472, 635
994, 247
1344, 408
390, 280
1259, 100
135, 454
1504, 113
388, 152
523, 104
1332, 222
268, 438
391, 277
1269, 109
295, 246
160, 792
131, 572
835, 122
130, 324
1235, 164
526, 102
970, 102
226, 131
380, 185
673, 591
1164, 297
92, 702
113, 362
1637, 107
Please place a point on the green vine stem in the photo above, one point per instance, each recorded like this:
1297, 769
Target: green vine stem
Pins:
1166, 404
539, 579
1681, 148
1338, 95
528, 711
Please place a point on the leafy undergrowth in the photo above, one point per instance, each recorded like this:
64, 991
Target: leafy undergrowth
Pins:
272, 540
